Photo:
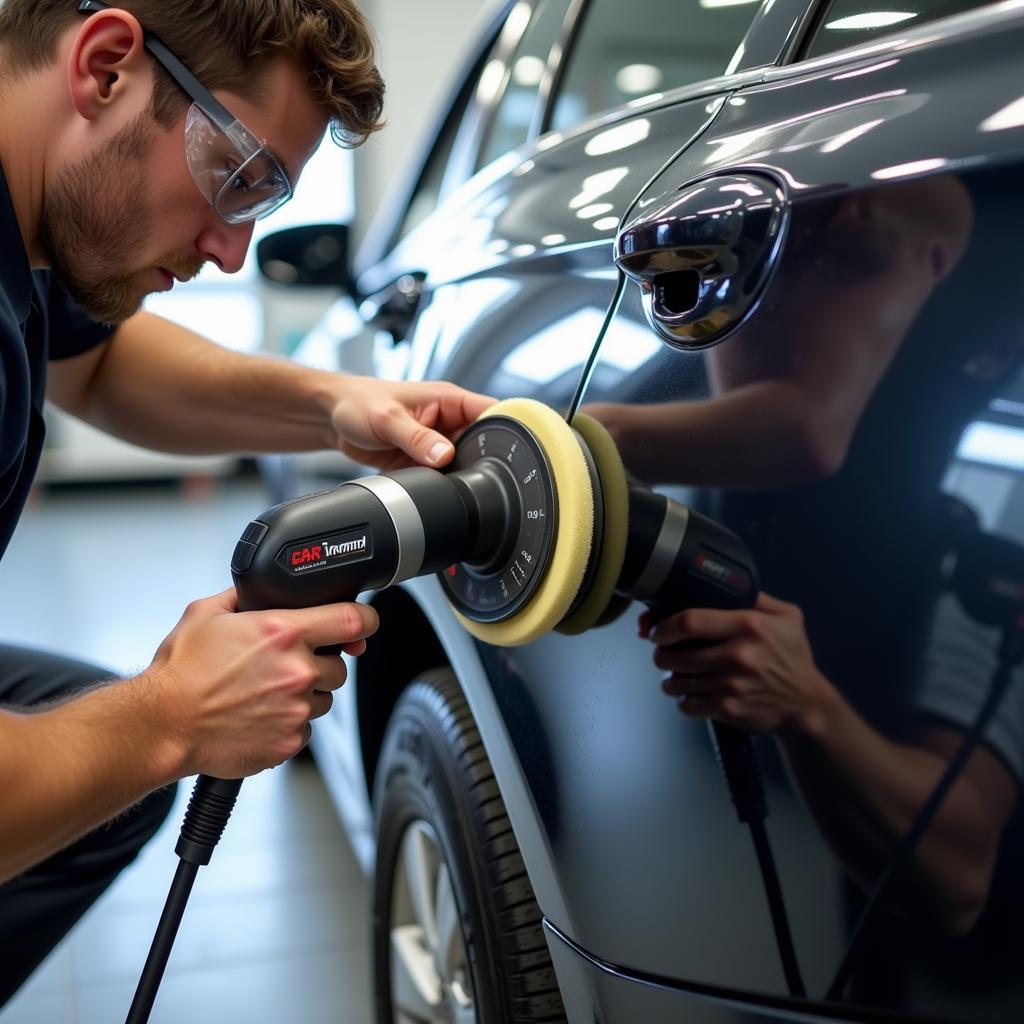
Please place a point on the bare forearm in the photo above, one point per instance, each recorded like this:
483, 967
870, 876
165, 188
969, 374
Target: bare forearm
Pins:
74, 766
865, 792
166, 388
760, 434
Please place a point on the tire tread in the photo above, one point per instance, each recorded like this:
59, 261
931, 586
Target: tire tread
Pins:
529, 975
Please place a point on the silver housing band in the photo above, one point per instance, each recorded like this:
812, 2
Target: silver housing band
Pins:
407, 521
663, 554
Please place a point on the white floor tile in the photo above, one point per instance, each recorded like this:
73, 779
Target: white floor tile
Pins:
328, 987
38, 1008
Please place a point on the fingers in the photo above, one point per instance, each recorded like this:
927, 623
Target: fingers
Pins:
319, 704
329, 624
204, 607
771, 605
706, 697
697, 706
679, 685
463, 407
402, 430
697, 624
710, 623
690, 657
454, 410
331, 673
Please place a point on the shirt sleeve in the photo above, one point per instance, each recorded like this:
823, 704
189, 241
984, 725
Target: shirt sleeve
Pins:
71, 331
961, 660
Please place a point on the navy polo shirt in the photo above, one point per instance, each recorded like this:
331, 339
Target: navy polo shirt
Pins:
38, 322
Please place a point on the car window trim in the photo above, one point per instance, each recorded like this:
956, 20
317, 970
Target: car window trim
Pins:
773, 30
382, 234
951, 27
709, 88
486, 113
560, 56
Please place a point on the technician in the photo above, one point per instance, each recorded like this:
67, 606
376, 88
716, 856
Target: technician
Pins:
122, 170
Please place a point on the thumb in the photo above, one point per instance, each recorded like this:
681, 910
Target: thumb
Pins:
769, 604
225, 601
426, 446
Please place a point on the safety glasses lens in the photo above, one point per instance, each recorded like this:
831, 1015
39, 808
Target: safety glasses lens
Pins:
233, 169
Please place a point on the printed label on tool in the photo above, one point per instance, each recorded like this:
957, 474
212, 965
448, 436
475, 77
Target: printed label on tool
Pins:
722, 571
326, 552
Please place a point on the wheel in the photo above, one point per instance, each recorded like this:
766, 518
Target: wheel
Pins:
457, 934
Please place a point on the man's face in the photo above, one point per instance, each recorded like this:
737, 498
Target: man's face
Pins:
127, 219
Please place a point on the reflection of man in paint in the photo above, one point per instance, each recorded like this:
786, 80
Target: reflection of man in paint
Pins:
820, 432
790, 389
755, 670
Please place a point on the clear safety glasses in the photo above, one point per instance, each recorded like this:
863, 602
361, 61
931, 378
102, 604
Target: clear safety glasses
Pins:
237, 173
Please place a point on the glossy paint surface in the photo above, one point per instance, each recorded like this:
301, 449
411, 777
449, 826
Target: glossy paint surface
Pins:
851, 431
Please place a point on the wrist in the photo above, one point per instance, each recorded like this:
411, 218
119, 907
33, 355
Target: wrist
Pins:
821, 714
161, 720
325, 392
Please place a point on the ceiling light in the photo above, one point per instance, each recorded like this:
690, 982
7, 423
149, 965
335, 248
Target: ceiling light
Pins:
638, 79
1011, 116
915, 167
622, 136
871, 19
528, 71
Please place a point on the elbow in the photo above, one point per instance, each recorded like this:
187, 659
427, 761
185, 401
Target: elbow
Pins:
819, 452
959, 921
964, 904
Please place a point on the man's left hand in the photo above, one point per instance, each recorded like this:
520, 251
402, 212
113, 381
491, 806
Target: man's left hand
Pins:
390, 424
752, 669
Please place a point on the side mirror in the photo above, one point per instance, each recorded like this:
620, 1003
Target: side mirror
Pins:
310, 256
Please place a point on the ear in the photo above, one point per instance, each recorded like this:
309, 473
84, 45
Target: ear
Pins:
107, 61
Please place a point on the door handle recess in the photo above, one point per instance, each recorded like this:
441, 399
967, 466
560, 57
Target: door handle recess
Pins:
393, 308
704, 254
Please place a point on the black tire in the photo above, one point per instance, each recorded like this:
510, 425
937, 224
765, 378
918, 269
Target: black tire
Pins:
435, 791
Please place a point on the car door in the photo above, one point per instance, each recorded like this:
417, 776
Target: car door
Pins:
518, 273
516, 261
827, 282
492, 265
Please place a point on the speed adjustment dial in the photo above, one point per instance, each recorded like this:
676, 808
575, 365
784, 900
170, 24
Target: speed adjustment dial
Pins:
496, 591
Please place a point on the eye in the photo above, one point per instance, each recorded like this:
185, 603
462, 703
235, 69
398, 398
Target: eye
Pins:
239, 183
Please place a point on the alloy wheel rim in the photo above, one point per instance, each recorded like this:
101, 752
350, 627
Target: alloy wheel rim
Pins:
430, 976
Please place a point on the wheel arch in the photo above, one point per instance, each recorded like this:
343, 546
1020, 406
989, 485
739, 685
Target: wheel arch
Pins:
404, 646
418, 631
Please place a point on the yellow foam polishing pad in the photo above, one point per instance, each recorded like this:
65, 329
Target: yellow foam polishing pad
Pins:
615, 488
573, 536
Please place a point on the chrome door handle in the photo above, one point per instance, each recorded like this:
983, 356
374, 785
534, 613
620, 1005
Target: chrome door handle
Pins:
393, 308
704, 254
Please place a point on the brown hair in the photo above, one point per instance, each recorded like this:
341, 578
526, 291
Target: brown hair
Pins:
225, 44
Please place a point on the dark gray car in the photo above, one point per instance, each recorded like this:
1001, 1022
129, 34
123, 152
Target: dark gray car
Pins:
805, 221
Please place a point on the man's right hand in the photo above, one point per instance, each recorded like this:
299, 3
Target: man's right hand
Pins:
239, 688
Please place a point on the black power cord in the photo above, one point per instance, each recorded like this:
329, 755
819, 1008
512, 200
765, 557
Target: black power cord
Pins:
736, 757
1011, 652
208, 811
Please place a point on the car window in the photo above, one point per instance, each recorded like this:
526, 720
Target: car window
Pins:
428, 192
850, 22
626, 51
514, 115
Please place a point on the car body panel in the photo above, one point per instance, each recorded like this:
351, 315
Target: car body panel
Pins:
626, 830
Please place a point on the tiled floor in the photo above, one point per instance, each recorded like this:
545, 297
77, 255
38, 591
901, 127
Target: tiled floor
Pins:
276, 928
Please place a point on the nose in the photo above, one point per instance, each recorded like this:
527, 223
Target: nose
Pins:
225, 244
